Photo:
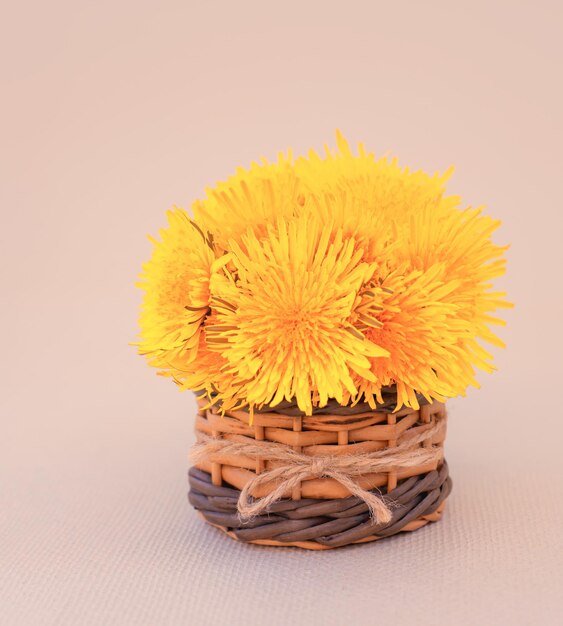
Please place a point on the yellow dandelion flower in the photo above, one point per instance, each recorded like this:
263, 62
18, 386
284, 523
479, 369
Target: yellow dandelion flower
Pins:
205, 373
433, 307
367, 197
252, 198
282, 314
176, 285
420, 331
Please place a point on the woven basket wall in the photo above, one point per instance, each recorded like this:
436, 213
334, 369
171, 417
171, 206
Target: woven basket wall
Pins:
320, 513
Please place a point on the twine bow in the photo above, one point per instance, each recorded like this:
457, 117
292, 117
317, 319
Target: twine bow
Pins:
296, 467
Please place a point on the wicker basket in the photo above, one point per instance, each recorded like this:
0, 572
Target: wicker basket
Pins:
320, 513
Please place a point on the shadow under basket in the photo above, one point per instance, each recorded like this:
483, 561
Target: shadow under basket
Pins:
320, 513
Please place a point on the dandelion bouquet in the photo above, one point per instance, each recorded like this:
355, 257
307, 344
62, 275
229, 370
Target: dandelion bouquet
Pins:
322, 285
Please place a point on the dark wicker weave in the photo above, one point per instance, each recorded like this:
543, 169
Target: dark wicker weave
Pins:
327, 523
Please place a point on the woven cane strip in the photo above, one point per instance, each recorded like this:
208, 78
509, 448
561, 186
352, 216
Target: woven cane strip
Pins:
318, 523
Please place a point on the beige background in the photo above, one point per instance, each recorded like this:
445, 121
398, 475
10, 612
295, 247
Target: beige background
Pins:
111, 112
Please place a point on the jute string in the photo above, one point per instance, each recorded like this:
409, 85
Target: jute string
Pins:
296, 467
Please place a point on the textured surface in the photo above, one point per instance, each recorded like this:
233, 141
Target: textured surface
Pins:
112, 112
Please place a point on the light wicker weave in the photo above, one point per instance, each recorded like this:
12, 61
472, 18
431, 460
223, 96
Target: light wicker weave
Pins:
320, 513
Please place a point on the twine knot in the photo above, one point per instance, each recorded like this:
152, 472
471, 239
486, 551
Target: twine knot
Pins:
318, 465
